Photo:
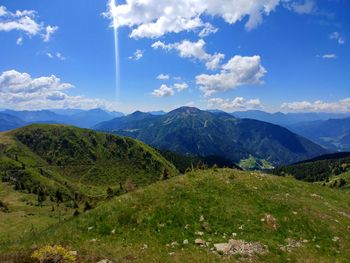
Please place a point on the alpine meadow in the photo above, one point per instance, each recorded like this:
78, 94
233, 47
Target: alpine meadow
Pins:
174, 131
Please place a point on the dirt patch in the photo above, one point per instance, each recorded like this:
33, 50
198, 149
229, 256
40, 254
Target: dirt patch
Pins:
240, 247
291, 244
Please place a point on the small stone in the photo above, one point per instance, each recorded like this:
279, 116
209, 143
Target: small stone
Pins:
185, 242
199, 241
174, 244
295, 213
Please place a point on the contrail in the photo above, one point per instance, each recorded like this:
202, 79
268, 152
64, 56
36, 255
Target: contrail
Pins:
112, 7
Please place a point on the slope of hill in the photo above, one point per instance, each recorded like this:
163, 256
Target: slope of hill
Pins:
191, 131
9, 122
76, 162
333, 134
318, 169
185, 218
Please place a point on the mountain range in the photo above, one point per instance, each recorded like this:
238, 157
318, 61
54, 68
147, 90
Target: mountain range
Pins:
287, 119
76, 117
333, 134
188, 130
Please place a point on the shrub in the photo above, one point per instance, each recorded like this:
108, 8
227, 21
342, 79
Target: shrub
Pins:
87, 206
342, 182
56, 253
110, 192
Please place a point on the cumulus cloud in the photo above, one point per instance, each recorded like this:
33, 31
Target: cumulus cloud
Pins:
167, 91
24, 21
337, 37
236, 72
138, 54
181, 86
163, 76
163, 91
23, 92
238, 103
329, 56
154, 18
192, 50
318, 106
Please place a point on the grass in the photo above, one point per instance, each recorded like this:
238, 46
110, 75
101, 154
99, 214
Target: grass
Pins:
141, 226
25, 216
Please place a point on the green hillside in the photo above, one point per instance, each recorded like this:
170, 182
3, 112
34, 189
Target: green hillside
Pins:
278, 219
77, 163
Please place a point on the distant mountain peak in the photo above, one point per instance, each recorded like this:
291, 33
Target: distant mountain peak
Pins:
139, 113
187, 110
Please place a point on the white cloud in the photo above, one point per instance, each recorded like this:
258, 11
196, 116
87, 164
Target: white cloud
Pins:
302, 7
337, 37
138, 54
236, 72
167, 91
163, 76
238, 103
57, 55
193, 50
208, 30
24, 21
329, 56
318, 106
19, 41
181, 86
21, 91
154, 18
163, 91
49, 30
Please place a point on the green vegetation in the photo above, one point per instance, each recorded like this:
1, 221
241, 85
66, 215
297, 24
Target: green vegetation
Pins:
188, 162
254, 164
318, 169
66, 163
296, 221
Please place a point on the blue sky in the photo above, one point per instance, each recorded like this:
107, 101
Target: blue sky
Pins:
228, 54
